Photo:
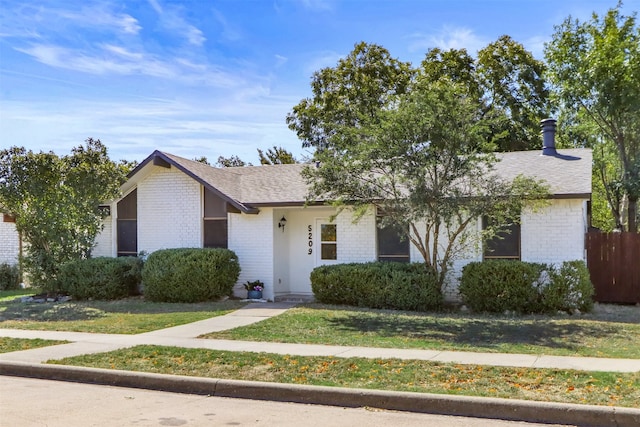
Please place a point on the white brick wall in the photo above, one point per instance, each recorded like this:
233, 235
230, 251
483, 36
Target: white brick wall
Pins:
104, 239
556, 233
356, 242
251, 238
169, 211
9, 242
552, 235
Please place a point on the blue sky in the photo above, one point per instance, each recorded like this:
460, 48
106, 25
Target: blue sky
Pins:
217, 77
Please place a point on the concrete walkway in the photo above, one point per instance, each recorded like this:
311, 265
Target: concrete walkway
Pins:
29, 363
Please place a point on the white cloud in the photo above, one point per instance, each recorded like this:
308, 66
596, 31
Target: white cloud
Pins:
171, 19
323, 60
448, 38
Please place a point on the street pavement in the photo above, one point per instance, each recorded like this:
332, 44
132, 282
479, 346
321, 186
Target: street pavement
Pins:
29, 363
28, 402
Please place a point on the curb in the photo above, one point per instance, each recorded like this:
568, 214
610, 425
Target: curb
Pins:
468, 406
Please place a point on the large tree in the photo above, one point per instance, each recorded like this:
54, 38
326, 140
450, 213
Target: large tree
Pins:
419, 155
56, 203
510, 83
595, 70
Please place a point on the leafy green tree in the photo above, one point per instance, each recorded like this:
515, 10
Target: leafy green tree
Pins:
276, 156
419, 154
230, 162
351, 93
55, 201
203, 159
509, 82
595, 70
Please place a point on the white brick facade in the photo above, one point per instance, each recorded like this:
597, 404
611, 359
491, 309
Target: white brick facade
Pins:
9, 242
104, 239
251, 238
357, 242
556, 233
169, 211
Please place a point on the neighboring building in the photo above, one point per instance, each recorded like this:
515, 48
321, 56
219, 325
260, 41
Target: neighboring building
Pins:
259, 212
9, 240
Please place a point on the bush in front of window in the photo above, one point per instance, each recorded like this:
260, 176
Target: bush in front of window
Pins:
570, 288
190, 275
101, 278
9, 277
497, 286
387, 285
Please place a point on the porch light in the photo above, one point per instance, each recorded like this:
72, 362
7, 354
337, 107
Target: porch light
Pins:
282, 223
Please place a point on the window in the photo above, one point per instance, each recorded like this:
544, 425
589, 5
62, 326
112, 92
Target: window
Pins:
392, 245
505, 245
214, 221
127, 225
328, 241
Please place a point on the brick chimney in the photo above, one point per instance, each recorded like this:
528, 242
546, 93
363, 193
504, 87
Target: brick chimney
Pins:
548, 137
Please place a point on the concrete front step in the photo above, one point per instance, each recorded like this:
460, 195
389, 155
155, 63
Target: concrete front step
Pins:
298, 298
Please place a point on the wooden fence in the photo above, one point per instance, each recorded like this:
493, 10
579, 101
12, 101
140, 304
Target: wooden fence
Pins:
614, 263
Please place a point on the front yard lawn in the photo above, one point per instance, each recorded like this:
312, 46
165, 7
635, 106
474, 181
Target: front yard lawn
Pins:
602, 334
596, 388
128, 316
8, 345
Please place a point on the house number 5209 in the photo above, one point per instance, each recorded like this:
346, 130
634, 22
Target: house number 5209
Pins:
310, 230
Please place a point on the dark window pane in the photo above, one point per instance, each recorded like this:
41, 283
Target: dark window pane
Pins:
127, 237
328, 232
215, 233
329, 251
391, 245
128, 207
214, 206
504, 244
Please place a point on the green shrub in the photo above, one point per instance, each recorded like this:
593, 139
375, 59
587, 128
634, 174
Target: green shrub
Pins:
9, 277
500, 285
190, 275
101, 278
570, 288
377, 285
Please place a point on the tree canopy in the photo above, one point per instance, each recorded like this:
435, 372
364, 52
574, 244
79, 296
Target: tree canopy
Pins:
417, 151
56, 203
276, 156
595, 70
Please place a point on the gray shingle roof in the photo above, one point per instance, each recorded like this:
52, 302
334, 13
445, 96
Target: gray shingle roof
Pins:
568, 174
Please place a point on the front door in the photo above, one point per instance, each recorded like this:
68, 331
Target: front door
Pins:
327, 242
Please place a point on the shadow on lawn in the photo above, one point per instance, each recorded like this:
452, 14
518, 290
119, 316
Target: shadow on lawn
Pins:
88, 310
477, 332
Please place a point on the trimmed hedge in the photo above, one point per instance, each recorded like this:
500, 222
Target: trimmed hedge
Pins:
101, 278
570, 288
500, 285
190, 275
9, 277
377, 285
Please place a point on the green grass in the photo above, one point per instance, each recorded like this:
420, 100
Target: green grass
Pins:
563, 335
7, 296
597, 388
129, 316
8, 345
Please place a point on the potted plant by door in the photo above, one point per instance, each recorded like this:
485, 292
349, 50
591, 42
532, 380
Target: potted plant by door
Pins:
254, 289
